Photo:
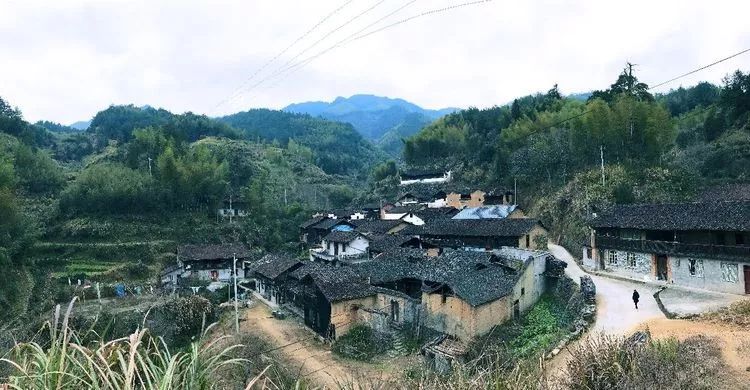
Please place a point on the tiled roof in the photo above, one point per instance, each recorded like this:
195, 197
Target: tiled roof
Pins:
342, 237
311, 222
273, 265
213, 252
727, 192
385, 242
717, 216
430, 214
379, 226
486, 212
409, 208
476, 277
507, 227
335, 283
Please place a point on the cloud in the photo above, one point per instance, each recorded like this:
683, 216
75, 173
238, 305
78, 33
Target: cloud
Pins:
65, 61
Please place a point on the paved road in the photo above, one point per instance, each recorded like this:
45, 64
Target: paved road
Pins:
615, 311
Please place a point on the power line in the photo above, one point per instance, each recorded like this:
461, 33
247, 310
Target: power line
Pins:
356, 36
277, 71
301, 37
701, 68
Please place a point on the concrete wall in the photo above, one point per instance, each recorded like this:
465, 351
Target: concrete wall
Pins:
355, 248
413, 219
710, 274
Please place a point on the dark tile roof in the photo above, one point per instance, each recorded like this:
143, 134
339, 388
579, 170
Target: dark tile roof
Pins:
385, 242
378, 226
430, 214
312, 221
421, 173
514, 227
274, 265
409, 208
342, 237
213, 252
335, 283
717, 216
476, 277
727, 192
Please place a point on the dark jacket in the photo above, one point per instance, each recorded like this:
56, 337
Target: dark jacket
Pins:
636, 296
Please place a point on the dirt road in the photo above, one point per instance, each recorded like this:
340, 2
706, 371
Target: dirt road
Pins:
305, 355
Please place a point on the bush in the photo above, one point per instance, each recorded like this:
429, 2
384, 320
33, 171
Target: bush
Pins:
605, 362
360, 343
181, 320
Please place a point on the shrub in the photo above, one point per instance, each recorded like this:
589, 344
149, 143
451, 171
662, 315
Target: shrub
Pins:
360, 343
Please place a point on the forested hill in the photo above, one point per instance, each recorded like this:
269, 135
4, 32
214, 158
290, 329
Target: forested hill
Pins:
336, 146
655, 147
383, 120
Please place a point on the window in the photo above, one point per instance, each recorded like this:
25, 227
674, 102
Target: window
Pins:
612, 257
631, 260
528, 241
729, 272
739, 239
523, 291
445, 297
695, 267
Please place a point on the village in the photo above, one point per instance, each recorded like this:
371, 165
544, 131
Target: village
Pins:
453, 262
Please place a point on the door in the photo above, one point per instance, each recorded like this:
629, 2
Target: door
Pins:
516, 310
661, 267
395, 313
747, 279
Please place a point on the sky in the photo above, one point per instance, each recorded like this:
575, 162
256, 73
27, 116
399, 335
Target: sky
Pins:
65, 60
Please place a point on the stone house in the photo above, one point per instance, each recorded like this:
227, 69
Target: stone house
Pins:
380, 226
702, 245
233, 208
211, 262
459, 293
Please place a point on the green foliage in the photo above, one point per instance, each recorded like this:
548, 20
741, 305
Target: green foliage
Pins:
67, 361
359, 343
37, 171
627, 84
109, 189
384, 170
337, 148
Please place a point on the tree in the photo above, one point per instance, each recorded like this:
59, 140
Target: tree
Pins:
626, 84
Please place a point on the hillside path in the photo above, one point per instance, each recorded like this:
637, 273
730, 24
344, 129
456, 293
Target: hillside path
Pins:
615, 312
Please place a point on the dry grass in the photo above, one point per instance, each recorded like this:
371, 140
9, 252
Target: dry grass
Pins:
737, 314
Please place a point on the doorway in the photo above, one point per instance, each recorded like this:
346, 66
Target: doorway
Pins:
661, 267
516, 310
395, 314
747, 279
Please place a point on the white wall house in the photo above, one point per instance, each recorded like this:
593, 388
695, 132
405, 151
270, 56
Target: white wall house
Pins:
446, 177
341, 246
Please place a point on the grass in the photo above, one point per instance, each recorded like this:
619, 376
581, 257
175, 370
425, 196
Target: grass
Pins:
138, 361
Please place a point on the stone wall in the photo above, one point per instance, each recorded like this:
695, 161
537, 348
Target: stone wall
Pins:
643, 269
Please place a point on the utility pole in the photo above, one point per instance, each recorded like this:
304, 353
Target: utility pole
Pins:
601, 153
515, 191
236, 309
149, 166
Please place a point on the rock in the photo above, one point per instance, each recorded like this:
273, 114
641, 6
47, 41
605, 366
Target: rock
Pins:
588, 289
555, 267
638, 338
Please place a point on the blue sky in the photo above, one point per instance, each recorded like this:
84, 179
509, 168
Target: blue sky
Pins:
66, 60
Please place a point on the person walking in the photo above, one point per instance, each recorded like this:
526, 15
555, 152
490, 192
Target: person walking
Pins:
636, 297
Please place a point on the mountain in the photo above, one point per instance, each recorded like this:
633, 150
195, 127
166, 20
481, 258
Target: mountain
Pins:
381, 119
336, 146
80, 125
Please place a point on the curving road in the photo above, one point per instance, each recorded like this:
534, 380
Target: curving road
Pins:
615, 311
